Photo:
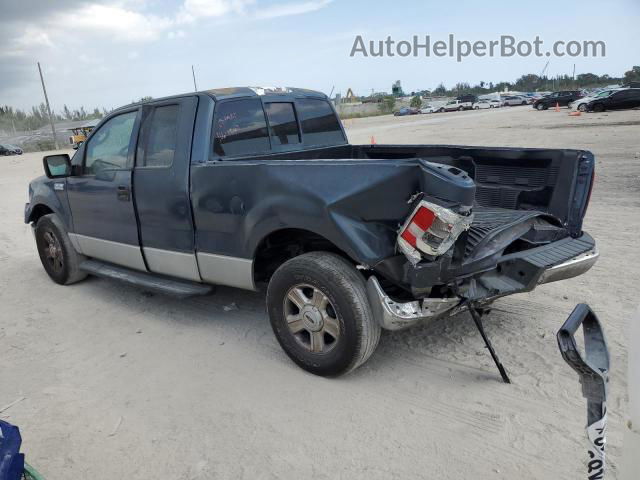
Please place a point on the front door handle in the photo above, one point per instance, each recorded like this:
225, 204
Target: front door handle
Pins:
124, 193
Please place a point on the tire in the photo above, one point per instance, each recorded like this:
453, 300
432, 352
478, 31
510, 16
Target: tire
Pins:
441, 110
541, 106
523, 103
331, 329
476, 108
460, 109
59, 259
582, 107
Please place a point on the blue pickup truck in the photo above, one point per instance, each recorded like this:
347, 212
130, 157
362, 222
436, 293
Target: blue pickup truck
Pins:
258, 188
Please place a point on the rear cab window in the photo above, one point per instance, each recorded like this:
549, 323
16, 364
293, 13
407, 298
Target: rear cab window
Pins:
257, 126
283, 123
240, 128
319, 123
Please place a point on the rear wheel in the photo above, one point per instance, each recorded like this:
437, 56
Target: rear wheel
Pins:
320, 314
58, 257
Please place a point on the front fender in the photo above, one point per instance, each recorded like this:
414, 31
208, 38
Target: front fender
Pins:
52, 194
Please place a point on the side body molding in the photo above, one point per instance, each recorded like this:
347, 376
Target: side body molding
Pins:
225, 270
115, 252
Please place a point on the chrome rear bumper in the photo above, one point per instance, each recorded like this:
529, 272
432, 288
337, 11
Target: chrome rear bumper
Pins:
392, 315
396, 316
571, 268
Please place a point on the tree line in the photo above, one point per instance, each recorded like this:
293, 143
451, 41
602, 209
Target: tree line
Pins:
532, 83
16, 120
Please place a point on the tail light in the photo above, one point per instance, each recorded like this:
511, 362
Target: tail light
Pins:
431, 230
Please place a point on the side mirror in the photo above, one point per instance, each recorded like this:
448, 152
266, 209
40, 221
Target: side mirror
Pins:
57, 166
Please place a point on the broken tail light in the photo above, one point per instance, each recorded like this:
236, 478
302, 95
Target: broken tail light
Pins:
431, 230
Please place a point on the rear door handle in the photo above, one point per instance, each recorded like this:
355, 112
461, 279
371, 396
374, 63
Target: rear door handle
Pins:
124, 193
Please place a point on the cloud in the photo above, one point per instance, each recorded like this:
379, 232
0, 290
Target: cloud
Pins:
51, 31
116, 21
192, 10
287, 9
175, 34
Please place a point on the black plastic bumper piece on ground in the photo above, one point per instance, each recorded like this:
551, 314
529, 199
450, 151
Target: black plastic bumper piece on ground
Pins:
478, 321
593, 371
147, 281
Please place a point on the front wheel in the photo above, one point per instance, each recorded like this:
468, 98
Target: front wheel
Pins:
582, 107
59, 259
320, 313
541, 107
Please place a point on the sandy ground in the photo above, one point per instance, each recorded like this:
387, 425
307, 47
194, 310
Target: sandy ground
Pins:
112, 382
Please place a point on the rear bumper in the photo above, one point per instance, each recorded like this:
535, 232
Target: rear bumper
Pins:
514, 273
571, 268
392, 315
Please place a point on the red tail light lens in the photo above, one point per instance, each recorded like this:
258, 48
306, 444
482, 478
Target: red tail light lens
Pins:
431, 230
418, 225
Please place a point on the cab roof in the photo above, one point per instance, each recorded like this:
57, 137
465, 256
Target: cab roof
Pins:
236, 92
229, 92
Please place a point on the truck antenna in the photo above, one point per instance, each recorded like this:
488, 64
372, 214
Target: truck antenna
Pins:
193, 72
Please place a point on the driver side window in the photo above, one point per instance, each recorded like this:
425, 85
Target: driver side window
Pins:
108, 148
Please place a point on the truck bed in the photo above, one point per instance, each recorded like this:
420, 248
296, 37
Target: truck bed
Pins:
552, 181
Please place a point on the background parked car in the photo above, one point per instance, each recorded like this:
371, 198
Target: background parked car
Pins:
512, 100
562, 98
454, 105
428, 109
7, 149
581, 103
406, 111
622, 99
482, 104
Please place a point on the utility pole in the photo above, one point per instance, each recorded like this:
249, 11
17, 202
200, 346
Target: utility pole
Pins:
193, 72
46, 99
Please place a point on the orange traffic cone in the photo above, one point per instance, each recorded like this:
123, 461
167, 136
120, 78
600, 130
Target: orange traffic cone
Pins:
373, 140
557, 107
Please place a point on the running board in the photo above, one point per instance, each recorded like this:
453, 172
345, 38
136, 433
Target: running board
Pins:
147, 281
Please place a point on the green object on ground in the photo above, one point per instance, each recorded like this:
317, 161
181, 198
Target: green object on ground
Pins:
31, 473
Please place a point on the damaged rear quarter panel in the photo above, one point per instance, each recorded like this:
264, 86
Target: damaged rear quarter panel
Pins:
355, 204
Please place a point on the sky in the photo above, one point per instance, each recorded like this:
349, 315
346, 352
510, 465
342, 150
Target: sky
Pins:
109, 53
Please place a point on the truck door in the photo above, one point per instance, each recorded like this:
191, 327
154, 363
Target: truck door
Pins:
161, 185
104, 220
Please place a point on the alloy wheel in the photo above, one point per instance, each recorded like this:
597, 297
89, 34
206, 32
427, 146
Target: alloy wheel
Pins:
53, 251
311, 318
